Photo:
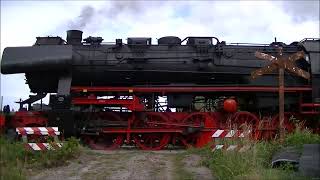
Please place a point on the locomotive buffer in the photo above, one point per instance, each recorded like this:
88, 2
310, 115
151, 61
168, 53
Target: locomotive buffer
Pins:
282, 63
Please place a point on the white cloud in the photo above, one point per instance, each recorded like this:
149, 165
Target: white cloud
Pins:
232, 21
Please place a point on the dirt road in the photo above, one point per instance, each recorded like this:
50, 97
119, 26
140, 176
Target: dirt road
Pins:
128, 164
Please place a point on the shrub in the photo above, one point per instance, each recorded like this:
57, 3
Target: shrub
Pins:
300, 137
14, 158
256, 162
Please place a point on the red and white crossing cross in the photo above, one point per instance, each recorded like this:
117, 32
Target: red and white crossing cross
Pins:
280, 61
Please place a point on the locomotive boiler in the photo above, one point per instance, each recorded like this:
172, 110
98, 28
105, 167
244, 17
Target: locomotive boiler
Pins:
115, 89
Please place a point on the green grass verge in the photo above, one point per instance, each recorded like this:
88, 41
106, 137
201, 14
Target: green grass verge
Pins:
300, 137
256, 162
14, 159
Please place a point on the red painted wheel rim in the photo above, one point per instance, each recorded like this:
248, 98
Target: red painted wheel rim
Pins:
194, 119
242, 118
105, 142
152, 141
288, 125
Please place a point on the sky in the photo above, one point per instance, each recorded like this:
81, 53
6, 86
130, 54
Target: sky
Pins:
230, 21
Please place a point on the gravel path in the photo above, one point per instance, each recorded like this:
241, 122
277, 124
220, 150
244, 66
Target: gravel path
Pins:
127, 165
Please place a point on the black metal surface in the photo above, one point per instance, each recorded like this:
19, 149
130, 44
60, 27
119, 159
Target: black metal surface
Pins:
200, 62
32, 99
74, 37
36, 58
312, 46
286, 155
310, 160
169, 40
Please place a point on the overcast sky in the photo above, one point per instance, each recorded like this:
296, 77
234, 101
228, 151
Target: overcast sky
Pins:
231, 21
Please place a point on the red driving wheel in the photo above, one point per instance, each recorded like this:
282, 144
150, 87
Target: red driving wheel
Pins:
288, 124
244, 119
193, 121
105, 141
152, 141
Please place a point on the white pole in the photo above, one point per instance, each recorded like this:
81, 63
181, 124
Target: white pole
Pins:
1, 101
1, 97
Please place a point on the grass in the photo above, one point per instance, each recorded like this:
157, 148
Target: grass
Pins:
256, 162
252, 164
180, 173
15, 160
301, 137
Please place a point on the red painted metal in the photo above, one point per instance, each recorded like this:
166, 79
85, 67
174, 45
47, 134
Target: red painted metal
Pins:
155, 130
152, 140
171, 89
2, 123
243, 117
310, 108
131, 104
196, 137
105, 141
230, 105
288, 123
247, 121
310, 105
267, 130
174, 124
141, 130
28, 118
310, 112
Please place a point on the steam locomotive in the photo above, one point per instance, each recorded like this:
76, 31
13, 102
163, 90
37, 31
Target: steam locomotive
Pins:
152, 95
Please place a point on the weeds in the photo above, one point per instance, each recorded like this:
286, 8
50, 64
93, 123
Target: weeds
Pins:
256, 162
14, 159
300, 137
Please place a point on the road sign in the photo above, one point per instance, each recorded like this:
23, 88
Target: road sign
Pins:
281, 63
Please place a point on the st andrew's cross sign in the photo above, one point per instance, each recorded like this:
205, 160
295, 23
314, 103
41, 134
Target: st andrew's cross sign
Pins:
282, 63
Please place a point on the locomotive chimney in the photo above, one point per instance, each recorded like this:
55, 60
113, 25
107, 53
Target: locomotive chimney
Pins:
74, 37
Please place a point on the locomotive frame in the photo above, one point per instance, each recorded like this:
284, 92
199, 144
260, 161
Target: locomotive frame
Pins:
154, 130
97, 100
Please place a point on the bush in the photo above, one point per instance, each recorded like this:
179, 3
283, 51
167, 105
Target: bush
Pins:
11, 159
300, 137
15, 159
256, 162
69, 150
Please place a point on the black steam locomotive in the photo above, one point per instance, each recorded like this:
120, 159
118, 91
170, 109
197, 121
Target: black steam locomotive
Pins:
205, 66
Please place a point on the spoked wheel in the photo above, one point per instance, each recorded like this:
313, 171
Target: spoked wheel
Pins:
288, 124
195, 121
105, 141
267, 129
152, 141
246, 121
